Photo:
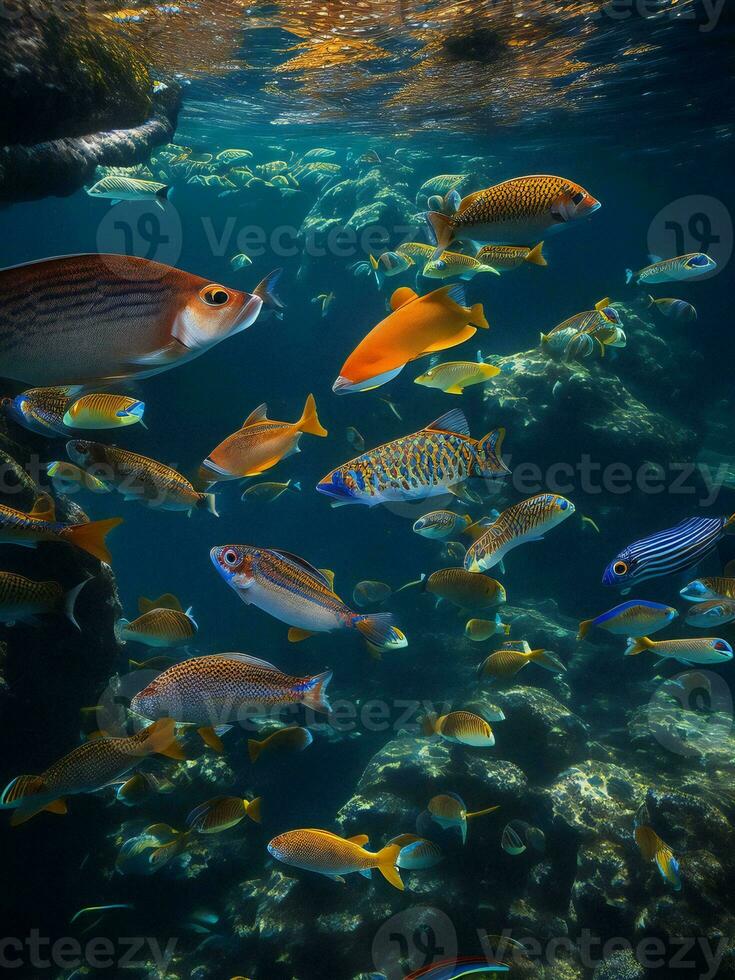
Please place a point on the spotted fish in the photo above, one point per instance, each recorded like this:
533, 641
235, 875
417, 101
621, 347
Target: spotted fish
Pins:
425, 464
86, 769
527, 520
216, 689
517, 210
139, 478
327, 854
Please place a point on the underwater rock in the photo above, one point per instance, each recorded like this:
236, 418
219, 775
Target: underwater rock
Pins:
595, 799
620, 965
399, 781
601, 891
539, 397
539, 733
77, 95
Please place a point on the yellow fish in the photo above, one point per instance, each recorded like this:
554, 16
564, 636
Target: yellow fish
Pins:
504, 258
463, 727
327, 854
452, 377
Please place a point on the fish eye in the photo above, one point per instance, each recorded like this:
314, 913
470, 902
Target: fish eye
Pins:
720, 646
578, 197
231, 557
214, 295
563, 504
620, 568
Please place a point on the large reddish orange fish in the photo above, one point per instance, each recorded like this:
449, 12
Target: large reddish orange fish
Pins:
418, 325
520, 210
259, 444
83, 318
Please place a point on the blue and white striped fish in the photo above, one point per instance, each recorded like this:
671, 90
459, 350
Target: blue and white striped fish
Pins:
666, 552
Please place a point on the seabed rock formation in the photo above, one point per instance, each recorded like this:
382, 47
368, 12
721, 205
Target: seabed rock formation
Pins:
75, 97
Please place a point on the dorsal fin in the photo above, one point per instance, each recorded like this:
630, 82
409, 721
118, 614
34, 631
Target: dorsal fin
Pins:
259, 414
452, 421
468, 201
328, 575
166, 601
44, 509
602, 303
454, 291
245, 658
402, 295
307, 566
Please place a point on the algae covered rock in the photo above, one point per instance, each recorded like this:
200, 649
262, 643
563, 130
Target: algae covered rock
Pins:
539, 733
77, 95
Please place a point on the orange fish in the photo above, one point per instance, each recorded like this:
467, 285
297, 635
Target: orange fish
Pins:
418, 325
259, 444
519, 210
327, 854
102, 317
17, 527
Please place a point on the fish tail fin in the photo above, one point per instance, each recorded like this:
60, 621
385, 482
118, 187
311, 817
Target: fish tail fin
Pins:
543, 340
428, 724
442, 230
409, 585
91, 537
729, 525
547, 660
254, 749
638, 646
253, 809
375, 627
309, 421
536, 255
387, 858
650, 301
266, 290
208, 502
21, 788
477, 317
315, 695
119, 630
377, 271
489, 449
295, 484
70, 601
628, 276
161, 738
584, 628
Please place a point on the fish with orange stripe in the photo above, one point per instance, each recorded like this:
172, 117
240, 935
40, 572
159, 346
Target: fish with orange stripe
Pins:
88, 768
290, 589
96, 317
